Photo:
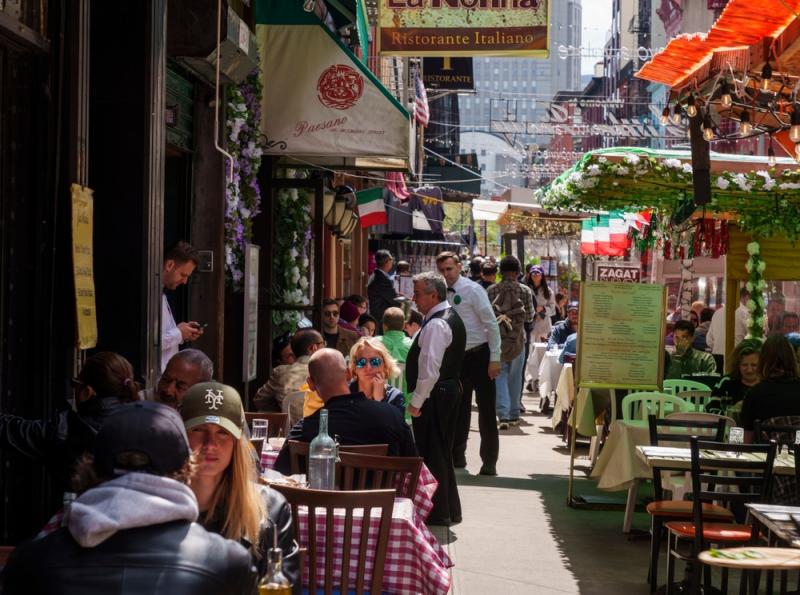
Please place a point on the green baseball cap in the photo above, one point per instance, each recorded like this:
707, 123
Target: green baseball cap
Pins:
213, 403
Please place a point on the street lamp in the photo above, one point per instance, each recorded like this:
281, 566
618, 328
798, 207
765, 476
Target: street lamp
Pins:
339, 209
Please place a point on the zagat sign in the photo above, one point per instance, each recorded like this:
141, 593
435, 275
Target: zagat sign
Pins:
618, 273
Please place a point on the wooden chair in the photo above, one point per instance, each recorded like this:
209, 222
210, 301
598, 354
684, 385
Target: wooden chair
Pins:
349, 502
640, 405
696, 399
752, 479
276, 421
670, 430
676, 386
369, 472
298, 453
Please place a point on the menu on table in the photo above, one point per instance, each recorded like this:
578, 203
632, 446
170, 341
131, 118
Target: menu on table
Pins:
621, 335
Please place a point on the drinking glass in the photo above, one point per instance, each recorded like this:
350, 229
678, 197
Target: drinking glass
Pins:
259, 429
736, 435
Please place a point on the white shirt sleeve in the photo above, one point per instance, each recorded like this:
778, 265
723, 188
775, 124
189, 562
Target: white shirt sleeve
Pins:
433, 340
171, 336
486, 314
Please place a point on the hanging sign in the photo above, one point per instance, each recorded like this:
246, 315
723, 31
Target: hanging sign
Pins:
619, 272
454, 74
83, 265
320, 99
463, 28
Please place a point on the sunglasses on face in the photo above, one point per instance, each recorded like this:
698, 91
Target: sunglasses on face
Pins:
330, 313
374, 362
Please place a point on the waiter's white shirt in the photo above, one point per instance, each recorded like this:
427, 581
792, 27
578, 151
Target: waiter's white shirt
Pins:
434, 337
715, 337
477, 314
171, 337
740, 324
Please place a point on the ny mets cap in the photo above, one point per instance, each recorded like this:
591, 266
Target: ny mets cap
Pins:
213, 403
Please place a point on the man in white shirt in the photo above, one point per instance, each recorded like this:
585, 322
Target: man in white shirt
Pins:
433, 368
742, 318
481, 362
715, 338
180, 262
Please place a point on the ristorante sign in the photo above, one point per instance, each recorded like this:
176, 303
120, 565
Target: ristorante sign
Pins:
463, 27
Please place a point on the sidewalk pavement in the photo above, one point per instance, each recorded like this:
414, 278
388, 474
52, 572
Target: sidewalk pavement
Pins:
518, 534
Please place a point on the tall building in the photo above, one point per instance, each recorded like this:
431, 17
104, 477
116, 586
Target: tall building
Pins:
520, 89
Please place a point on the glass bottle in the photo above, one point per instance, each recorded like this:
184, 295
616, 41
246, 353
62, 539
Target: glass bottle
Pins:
274, 582
322, 457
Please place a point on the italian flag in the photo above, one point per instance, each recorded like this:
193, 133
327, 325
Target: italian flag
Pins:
605, 235
371, 210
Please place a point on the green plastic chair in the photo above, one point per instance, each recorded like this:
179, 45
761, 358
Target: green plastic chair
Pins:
640, 405
675, 386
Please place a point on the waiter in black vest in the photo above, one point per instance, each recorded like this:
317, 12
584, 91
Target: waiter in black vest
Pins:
433, 367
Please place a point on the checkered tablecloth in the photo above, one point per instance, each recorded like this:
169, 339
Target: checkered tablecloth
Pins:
415, 561
423, 496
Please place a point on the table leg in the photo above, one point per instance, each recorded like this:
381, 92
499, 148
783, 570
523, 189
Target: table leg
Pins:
630, 506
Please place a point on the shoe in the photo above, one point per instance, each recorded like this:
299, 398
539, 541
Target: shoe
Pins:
513, 422
487, 470
459, 463
522, 408
529, 387
503, 424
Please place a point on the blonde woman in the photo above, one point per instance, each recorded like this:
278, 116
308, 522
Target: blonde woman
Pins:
231, 501
371, 366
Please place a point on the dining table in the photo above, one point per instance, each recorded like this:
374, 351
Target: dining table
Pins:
423, 495
535, 356
549, 372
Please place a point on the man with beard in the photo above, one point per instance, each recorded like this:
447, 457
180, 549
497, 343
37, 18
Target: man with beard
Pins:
184, 369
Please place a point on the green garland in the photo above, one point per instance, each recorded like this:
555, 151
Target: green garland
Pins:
755, 266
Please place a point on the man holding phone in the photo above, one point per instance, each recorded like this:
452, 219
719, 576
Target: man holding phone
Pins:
180, 261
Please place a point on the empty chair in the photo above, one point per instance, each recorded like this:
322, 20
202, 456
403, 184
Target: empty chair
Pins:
318, 512
665, 432
642, 404
298, 453
359, 471
696, 399
719, 465
676, 386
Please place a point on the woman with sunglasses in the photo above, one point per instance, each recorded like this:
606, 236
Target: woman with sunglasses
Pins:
231, 501
371, 366
103, 385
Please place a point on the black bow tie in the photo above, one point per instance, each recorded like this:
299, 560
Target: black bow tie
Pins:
450, 290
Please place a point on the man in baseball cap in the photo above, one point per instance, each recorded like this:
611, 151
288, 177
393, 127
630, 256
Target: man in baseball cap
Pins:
133, 529
562, 330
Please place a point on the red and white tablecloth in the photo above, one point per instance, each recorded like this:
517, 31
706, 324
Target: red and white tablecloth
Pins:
423, 496
415, 561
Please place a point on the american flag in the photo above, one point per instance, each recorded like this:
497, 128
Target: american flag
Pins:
421, 112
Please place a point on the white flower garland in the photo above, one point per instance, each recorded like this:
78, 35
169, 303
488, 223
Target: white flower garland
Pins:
755, 266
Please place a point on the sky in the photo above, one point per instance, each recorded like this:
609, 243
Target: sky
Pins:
596, 25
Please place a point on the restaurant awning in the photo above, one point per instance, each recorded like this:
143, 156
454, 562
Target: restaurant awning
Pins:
321, 104
745, 35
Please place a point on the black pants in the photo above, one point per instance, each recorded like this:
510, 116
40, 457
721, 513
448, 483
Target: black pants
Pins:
433, 433
475, 376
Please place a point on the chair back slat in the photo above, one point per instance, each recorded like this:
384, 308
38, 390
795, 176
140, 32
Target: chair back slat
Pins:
276, 422
751, 466
348, 502
676, 386
298, 453
372, 472
640, 405
697, 399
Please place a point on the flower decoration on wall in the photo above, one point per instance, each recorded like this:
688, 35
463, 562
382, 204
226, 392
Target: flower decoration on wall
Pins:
242, 194
756, 285
292, 264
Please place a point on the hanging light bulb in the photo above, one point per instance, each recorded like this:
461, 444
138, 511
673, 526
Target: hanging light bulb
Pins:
794, 131
771, 161
745, 127
708, 128
725, 99
766, 76
676, 115
691, 110
665, 116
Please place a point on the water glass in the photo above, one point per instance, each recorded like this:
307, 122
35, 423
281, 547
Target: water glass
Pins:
797, 437
259, 429
736, 435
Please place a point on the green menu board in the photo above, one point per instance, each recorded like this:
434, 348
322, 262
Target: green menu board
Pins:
621, 335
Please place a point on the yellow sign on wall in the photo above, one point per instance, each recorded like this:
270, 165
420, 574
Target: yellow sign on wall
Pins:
464, 28
83, 264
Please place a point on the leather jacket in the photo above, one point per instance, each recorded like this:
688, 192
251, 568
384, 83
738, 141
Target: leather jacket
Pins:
279, 515
60, 441
174, 558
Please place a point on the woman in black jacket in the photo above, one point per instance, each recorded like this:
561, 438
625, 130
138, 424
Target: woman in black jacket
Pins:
231, 501
103, 385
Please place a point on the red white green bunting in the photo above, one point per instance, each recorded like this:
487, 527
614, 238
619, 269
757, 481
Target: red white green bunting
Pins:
371, 210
